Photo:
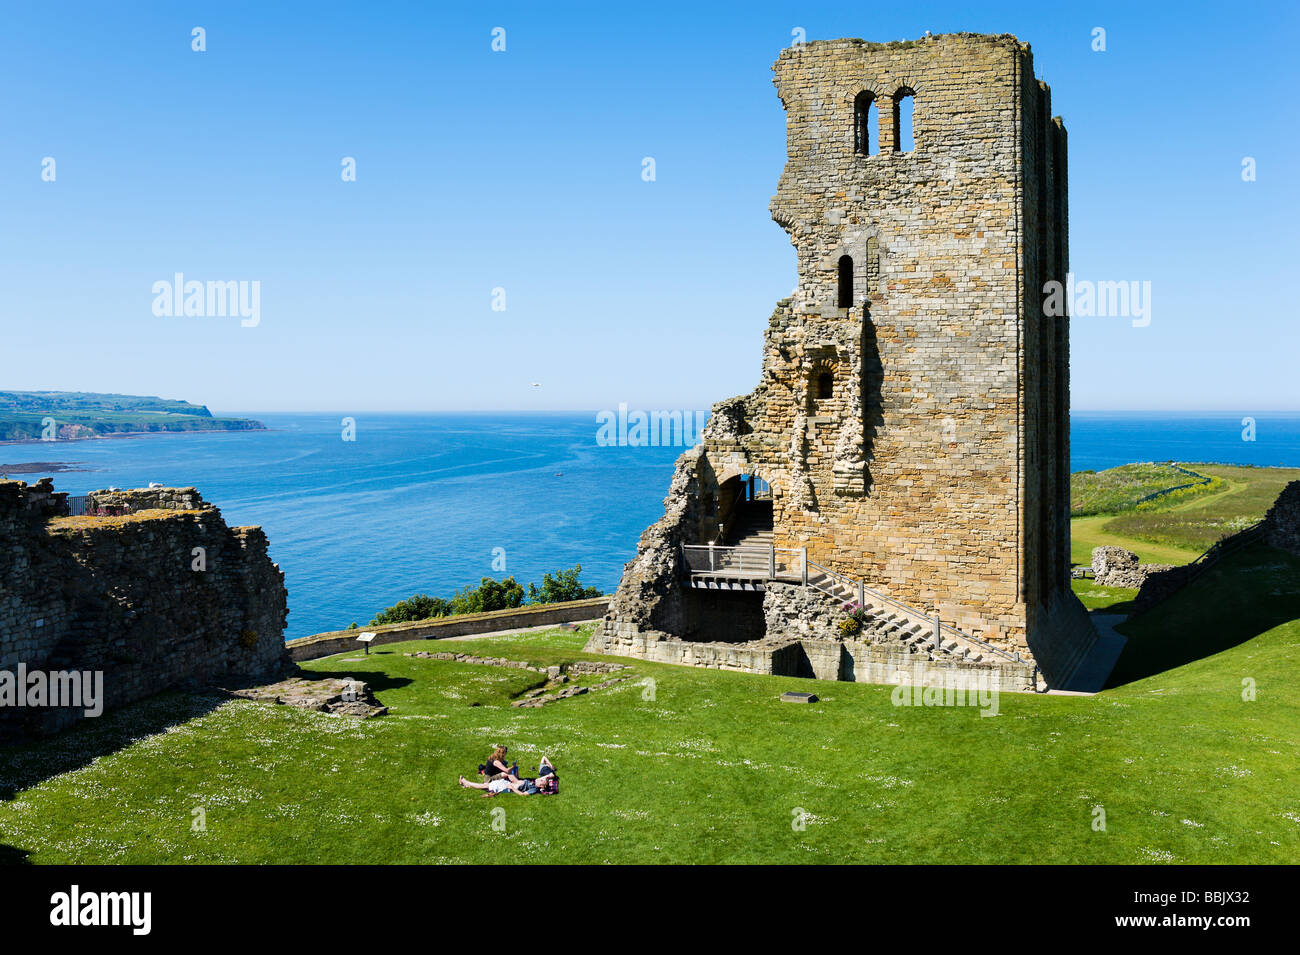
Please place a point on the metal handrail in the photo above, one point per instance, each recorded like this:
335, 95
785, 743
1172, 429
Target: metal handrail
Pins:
755, 559
79, 505
1230, 544
912, 613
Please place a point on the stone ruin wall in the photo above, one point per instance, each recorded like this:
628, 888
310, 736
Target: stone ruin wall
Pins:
117, 594
938, 470
1280, 528
1282, 522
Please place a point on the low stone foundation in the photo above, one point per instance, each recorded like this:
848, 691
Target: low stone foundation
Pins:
827, 658
339, 695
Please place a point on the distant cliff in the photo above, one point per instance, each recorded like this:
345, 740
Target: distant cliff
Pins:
68, 415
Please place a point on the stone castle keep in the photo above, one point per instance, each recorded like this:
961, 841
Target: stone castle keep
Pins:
907, 446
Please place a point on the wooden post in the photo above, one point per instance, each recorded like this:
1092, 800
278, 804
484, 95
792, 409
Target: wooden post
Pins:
862, 594
771, 561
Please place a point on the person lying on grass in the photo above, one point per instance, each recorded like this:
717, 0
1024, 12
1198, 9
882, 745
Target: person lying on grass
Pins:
547, 782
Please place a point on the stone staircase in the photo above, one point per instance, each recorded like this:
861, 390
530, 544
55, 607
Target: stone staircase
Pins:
889, 622
747, 547
753, 526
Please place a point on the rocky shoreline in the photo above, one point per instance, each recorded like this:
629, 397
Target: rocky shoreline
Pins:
42, 467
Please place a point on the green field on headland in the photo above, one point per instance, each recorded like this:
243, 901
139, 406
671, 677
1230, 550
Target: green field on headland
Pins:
69, 415
1174, 528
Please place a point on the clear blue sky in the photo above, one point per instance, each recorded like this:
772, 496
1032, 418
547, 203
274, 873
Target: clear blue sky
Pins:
522, 170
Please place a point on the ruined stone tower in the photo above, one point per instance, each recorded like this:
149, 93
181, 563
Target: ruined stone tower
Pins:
907, 446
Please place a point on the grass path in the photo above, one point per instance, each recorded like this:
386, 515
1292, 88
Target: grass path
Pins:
1087, 533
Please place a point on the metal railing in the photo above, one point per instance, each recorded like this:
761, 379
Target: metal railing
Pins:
1192, 571
743, 561
1221, 549
913, 615
792, 564
79, 505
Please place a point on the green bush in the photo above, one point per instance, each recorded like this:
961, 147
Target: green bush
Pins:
563, 586
488, 595
418, 607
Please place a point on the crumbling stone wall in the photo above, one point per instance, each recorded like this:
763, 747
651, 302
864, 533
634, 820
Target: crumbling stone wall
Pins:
937, 469
1280, 528
122, 595
1282, 522
155, 498
1117, 567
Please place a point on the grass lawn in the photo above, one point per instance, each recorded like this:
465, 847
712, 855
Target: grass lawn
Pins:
1087, 533
710, 767
1110, 599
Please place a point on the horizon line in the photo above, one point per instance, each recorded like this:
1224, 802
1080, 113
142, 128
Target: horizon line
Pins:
649, 407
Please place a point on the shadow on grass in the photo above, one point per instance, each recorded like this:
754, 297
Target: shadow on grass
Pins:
1123, 605
1245, 595
12, 856
377, 680
26, 764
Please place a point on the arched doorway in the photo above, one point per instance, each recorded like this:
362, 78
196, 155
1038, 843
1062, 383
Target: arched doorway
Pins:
745, 511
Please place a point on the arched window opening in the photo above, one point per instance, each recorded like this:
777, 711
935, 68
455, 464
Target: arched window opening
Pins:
904, 140
825, 385
846, 282
862, 111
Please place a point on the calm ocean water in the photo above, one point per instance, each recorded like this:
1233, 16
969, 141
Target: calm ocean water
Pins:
420, 502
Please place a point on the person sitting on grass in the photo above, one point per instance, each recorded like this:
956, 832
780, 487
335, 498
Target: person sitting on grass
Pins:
496, 766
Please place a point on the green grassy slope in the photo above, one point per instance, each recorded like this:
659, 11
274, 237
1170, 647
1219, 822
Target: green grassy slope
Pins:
712, 768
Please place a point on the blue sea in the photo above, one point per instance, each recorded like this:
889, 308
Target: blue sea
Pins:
426, 502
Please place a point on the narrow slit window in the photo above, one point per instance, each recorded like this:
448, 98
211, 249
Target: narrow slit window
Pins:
871, 285
845, 299
862, 110
903, 103
825, 385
